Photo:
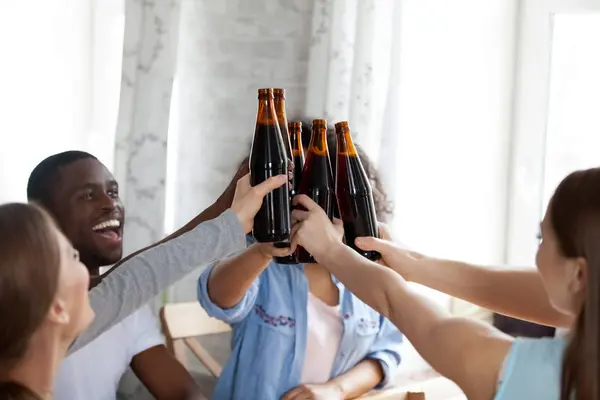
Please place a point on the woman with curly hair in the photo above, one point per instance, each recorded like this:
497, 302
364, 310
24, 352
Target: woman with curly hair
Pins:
298, 333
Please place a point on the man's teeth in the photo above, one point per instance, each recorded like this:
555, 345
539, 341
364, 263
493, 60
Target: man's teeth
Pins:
113, 223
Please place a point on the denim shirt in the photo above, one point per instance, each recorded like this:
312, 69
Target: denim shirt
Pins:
269, 327
532, 370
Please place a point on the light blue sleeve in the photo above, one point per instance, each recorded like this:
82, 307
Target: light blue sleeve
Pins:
386, 350
532, 370
234, 314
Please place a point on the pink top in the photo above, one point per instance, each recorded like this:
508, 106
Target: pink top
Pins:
323, 339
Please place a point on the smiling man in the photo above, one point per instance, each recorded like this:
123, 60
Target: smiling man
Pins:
83, 196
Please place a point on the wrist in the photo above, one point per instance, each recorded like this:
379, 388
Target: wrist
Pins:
331, 252
260, 252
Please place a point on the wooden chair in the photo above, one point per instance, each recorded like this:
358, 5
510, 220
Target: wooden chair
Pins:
181, 324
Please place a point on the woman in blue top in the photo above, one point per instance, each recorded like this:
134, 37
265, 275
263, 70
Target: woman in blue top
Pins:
484, 362
298, 333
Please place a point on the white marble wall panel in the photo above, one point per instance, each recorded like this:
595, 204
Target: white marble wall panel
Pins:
149, 61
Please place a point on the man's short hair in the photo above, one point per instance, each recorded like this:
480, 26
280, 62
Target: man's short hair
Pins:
45, 174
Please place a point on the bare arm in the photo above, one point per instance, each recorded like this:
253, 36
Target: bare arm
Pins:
164, 377
516, 292
230, 279
469, 353
359, 380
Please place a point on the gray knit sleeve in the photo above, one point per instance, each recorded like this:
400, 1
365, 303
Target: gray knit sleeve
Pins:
141, 278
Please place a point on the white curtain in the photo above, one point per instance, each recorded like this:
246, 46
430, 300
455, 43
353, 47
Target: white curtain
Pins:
352, 47
149, 60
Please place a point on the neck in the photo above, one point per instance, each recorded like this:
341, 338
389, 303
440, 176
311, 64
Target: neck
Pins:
93, 266
37, 370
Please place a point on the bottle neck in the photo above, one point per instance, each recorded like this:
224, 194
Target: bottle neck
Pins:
318, 142
296, 141
345, 146
280, 110
266, 111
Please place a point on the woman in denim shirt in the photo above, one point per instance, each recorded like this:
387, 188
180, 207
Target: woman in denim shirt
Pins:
347, 350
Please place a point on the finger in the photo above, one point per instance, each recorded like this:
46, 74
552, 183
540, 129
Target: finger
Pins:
305, 201
294, 235
299, 215
281, 252
373, 244
262, 189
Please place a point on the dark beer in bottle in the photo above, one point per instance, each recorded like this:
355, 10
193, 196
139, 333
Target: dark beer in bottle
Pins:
317, 180
295, 130
279, 102
268, 158
354, 193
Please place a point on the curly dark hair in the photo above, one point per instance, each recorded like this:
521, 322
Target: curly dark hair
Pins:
384, 208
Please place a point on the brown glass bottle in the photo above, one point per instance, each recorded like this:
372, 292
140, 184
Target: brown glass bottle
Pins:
295, 129
354, 193
279, 103
268, 158
317, 180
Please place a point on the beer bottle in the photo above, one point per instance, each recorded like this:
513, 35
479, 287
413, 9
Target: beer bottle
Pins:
295, 129
268, 158
354, 193
317, 180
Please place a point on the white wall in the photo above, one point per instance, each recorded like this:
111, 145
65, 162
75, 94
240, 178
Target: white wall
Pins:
227, 50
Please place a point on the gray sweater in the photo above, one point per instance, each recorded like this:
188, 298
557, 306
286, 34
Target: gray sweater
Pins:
141, 278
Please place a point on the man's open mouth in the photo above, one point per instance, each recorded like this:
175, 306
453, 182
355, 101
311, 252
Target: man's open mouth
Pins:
111, 229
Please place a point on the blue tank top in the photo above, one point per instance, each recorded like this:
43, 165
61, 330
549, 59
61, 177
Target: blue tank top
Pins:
532, 370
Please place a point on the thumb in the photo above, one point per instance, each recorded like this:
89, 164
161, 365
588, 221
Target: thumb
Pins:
373, 244
264, 188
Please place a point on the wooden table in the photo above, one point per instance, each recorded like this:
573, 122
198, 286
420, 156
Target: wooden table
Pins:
438, 388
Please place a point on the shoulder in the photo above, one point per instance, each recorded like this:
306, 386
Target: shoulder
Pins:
532, 369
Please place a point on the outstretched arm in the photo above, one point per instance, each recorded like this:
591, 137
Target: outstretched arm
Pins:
213, 211
469, 353
516, 292
145, 275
